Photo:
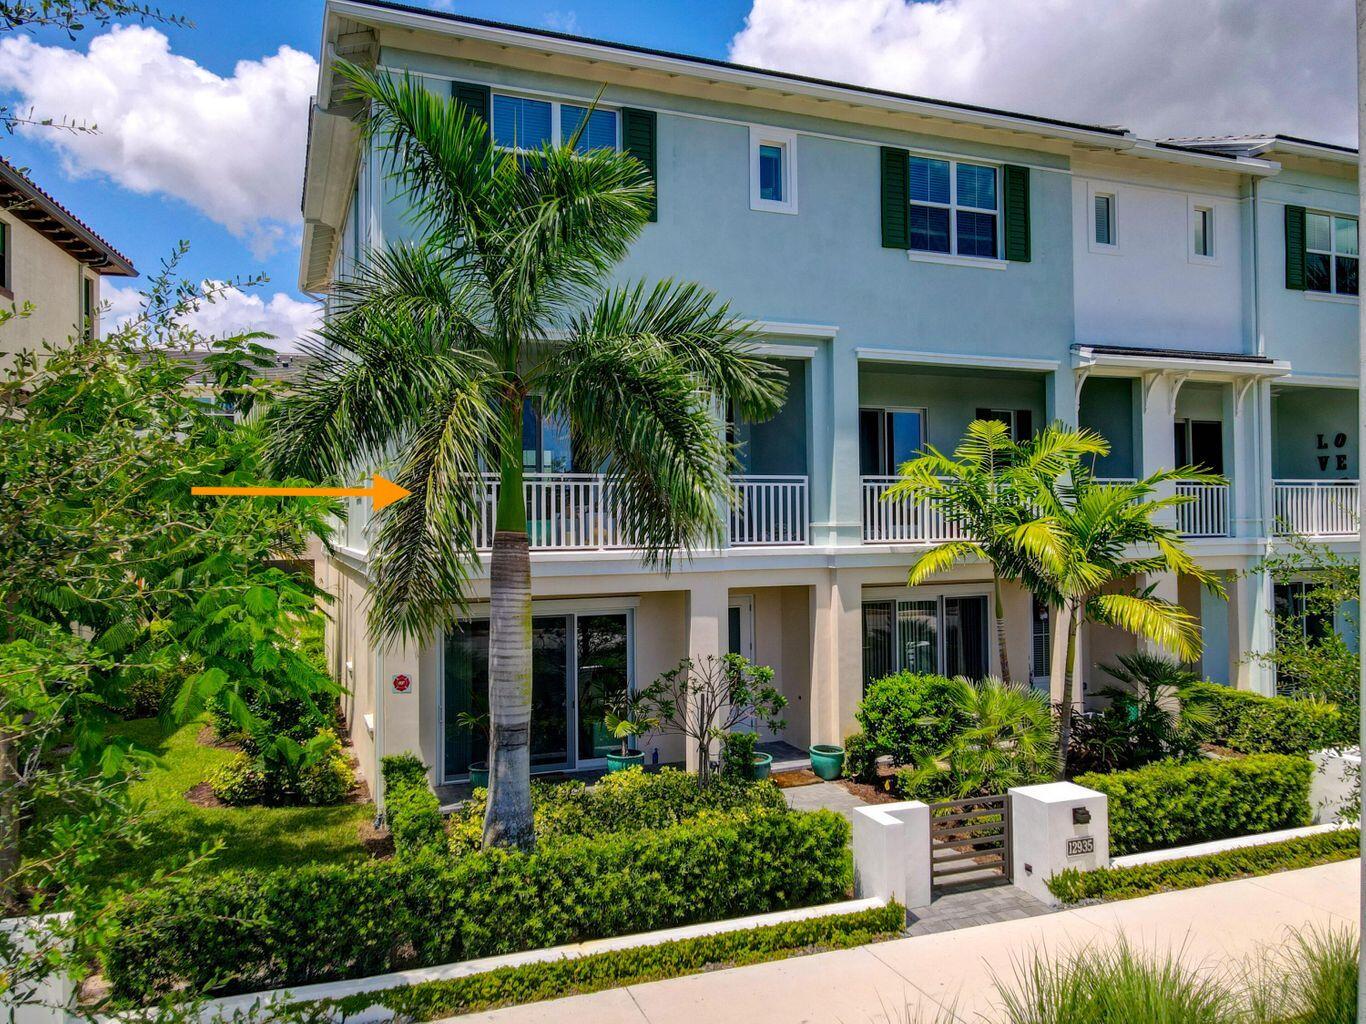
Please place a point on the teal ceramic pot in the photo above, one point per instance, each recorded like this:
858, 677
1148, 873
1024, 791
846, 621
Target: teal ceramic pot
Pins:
479, 775
630, 759
761, 767
827, 760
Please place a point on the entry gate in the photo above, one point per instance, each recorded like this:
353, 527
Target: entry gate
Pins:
970, 841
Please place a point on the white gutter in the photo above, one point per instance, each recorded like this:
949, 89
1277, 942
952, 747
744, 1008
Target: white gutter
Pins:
1085, 356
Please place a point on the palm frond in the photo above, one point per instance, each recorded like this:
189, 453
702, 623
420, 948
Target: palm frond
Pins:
940, 559
1162, 622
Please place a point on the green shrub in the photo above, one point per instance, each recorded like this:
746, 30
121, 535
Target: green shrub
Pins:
247, 930
623, 801
1253, 724
860, 760
410, 806
737, 755
549, 980
909, 716
1073, 886
1171, 804
238, 782
254, 780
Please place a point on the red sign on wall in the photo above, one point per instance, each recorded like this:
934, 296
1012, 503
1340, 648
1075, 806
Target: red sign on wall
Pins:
401, 683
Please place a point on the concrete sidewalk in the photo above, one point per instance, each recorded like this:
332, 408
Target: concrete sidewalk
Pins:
874, 984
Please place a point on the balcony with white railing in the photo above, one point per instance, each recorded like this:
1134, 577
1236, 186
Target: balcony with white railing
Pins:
577, 512
902, 522
1317, 508
1206, 514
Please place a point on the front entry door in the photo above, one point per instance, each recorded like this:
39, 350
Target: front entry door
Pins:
603, 669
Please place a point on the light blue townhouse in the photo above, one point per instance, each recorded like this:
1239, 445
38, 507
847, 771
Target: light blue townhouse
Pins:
913, 264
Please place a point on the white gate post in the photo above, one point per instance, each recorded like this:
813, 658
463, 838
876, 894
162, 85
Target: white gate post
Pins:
1055, 826
892, 852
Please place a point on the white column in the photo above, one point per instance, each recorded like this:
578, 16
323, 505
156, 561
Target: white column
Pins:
1055, 826
821, 460
1061, 396
846, 516
1156, 447
708, 612
398, 685
892, 852
1251, 629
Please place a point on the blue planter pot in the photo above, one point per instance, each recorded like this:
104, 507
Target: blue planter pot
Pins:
827, 760
761, 767
630, 759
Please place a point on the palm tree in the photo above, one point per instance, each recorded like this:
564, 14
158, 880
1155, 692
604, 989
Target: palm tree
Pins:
1090, 536
1007, 738
434, 347
979, 491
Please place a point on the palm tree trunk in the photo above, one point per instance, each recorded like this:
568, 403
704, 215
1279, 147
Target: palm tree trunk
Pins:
1068, 669
9, 823
1001, 630
507, 816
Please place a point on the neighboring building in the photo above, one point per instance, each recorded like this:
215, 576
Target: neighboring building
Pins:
52, 260
914, 265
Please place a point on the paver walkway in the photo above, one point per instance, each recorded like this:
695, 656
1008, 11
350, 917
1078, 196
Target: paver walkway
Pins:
827, 795
968, 907
875, 984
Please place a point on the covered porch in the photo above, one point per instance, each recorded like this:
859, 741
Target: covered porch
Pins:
1314, 460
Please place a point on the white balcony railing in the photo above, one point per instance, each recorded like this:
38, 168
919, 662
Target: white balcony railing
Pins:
769, 510
901, 522
575, 512
1318, 508
1207, 514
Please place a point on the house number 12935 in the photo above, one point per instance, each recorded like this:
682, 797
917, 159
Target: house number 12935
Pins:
1081, 845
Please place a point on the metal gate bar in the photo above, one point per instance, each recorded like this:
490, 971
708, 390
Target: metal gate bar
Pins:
970, 840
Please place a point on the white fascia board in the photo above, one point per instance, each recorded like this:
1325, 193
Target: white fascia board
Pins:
742, 77
1180, 155
961, 359
1322, 380
780, 328
1085, 358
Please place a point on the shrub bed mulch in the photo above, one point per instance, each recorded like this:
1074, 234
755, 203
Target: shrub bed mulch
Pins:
534, 982
795, 779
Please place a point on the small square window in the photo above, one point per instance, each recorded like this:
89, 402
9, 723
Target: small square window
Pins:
520, 123
1105, 219
772, 170
1332, 254
1202, 232
599, 133
954, 208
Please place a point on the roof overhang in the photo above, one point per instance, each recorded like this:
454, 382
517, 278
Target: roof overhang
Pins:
26, 202
1133, 361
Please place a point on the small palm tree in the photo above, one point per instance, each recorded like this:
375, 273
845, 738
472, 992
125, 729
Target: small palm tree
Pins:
1007, 738
980, 490
434, 347
1091, 536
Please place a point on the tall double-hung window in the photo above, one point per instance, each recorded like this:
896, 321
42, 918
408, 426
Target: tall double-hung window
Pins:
1332, 254
524, 123
955, 208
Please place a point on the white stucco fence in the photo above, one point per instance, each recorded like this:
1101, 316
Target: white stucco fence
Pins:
1337, 773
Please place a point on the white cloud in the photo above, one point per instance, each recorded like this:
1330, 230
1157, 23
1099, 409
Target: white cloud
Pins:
233, 148
233, 311
1160, 67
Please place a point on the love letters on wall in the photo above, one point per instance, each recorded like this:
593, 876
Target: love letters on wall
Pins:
1336, 460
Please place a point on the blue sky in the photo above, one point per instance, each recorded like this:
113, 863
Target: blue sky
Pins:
201, 129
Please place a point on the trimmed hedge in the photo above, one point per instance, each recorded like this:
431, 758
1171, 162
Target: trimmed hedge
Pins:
1073, 886
1252, 724
625, 801
1174, 804
909, 716
528, 983
410, 806
240, 931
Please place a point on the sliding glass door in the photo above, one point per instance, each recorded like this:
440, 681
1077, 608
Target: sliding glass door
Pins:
944, 635
580, 666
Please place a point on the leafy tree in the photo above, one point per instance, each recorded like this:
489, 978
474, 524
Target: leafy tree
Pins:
112, 573
704, 700
1092, 537
981, 491
435, 347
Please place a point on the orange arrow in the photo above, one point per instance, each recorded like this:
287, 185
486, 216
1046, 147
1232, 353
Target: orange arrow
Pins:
383, 492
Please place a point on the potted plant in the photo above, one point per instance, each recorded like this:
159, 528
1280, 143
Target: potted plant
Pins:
740, 760
827, 760
477, 721
626, 721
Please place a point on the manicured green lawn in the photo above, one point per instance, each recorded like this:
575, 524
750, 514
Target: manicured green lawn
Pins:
251, 836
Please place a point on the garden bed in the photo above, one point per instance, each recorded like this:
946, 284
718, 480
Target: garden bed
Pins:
178, 824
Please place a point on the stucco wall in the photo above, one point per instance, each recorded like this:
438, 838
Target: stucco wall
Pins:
46, 276
1108, 407
950, 401
1306, 425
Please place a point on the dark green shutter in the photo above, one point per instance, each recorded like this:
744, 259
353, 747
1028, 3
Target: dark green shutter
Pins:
639, 137
474, 98
896, 198
1016, 192
1294, 247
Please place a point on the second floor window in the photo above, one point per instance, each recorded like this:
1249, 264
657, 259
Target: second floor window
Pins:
1331, 254
520, 122
954, 208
